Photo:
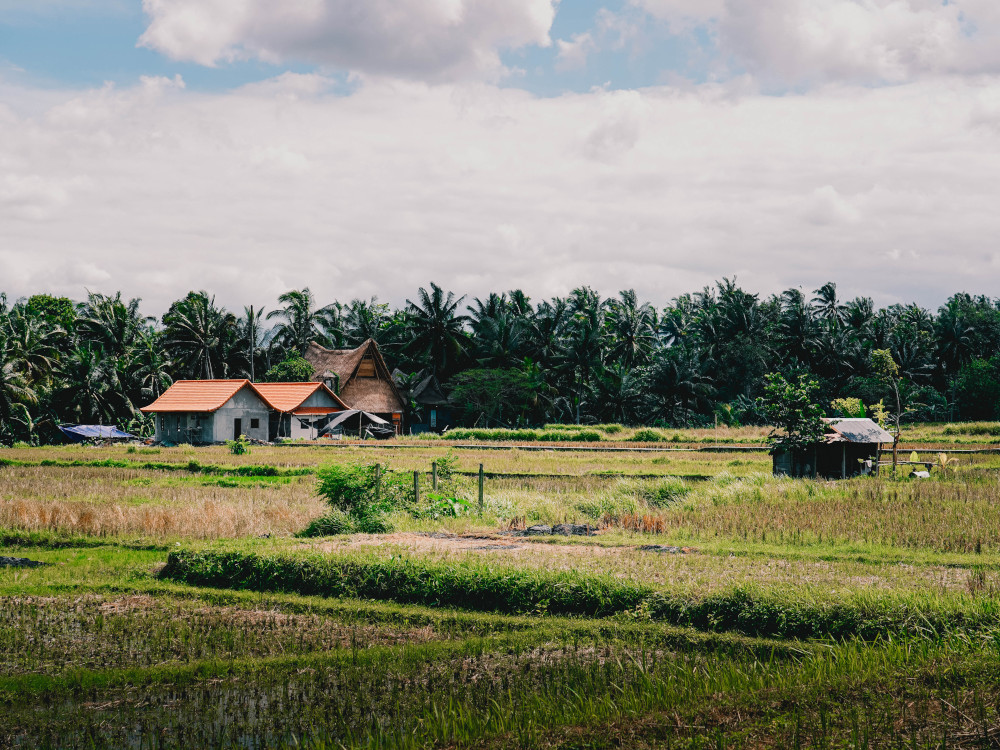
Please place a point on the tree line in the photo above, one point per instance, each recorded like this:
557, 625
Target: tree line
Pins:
505, 360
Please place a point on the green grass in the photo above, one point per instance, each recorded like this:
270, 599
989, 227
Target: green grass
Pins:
858, 614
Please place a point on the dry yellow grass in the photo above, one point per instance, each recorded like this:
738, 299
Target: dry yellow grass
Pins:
124, 502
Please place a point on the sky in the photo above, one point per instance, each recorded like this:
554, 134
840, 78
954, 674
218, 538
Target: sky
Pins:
368, 147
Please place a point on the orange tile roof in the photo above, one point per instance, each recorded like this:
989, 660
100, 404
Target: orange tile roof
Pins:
197, 395
210, 395
286, 397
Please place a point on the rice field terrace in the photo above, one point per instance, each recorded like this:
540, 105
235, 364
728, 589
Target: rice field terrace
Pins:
155, 597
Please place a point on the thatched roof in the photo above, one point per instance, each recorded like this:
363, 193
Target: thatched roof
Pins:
856, 431
371, 391
428, 392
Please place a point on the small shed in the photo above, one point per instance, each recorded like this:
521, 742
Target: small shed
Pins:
849, 448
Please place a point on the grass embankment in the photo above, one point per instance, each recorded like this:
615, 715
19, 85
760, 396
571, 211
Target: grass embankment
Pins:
488, 587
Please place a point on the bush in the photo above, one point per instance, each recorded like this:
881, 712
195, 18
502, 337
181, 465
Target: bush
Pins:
240, 446
647, 435
333, 523
359, 498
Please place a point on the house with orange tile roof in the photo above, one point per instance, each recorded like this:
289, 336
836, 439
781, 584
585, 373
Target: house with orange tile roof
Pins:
213, 411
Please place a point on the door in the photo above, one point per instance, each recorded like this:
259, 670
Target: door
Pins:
237, 428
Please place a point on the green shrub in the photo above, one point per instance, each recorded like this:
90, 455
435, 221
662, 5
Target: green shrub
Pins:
240, 446
333, 523
647, 435
991, 429
364, 494
347, 488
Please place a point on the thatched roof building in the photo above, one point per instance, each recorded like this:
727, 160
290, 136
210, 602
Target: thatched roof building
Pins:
360, 377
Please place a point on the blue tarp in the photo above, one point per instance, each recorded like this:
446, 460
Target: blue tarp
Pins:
80, 432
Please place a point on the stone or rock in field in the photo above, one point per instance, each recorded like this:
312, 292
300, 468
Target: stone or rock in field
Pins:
539, 530
20, 562
572, 529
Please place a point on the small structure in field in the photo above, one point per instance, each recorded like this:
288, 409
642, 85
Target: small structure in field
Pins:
849, 447
299, 410
433, 408
361, 378
213, 411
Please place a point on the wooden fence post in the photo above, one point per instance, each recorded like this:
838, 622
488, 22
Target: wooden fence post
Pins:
378, 482
416, 486
434, 475
480, 489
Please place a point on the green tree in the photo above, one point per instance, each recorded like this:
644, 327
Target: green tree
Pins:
300, 322
437, 335
794, 413
885, 368
978, 389
292, 370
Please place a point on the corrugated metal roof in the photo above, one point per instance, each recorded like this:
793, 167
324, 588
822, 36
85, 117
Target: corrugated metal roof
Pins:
286, 397
197, 395
856, 430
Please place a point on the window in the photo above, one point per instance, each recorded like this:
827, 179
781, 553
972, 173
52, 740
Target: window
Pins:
254, 424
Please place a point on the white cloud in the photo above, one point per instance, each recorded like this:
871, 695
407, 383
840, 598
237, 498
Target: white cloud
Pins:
430, 40
156, 190
802, 42
573, 54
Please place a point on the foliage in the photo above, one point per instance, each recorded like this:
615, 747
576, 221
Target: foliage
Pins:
580, 358
360, 497
512, 590
497, 396
848, 408
291, 370
240, 446
978, 387
794, 412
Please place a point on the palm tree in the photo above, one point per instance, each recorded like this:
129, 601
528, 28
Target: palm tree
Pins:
150, 366
197, 334
826, 306
437, 333
110, 323
301, 322
367, 319
251, 337
16, 395
91, 390
633, 330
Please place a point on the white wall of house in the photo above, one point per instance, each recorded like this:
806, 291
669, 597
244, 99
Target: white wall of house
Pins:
252, 414
318, 399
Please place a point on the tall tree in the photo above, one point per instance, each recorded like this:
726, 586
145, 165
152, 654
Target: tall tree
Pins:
437, 334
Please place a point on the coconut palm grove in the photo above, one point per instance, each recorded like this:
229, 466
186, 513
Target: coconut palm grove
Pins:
507, 360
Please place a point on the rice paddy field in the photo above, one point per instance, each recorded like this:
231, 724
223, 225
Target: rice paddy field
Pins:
178, 605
